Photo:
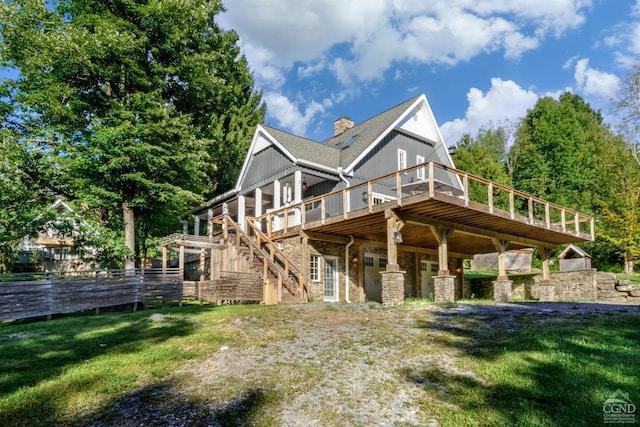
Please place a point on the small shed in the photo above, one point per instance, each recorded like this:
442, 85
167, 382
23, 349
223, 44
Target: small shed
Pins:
573, 258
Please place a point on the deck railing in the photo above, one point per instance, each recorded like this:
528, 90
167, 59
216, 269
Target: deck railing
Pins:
440, 182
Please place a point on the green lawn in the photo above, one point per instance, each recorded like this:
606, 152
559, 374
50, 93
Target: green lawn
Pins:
531, 371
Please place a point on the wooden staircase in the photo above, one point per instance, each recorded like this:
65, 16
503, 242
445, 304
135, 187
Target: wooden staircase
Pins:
282, 281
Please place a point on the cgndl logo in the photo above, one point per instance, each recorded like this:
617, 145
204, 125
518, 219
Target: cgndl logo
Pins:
619, 408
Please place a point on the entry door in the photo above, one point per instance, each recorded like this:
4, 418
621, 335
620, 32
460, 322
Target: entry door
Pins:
428, 269
330, 279
373, 265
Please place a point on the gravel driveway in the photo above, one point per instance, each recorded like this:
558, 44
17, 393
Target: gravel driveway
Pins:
329, 364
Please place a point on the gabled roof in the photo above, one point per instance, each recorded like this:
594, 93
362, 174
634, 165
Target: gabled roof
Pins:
367, 133
342, 153
345, 150
572, 250
306, 149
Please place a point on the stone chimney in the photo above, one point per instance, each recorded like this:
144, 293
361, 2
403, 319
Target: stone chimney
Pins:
341, 125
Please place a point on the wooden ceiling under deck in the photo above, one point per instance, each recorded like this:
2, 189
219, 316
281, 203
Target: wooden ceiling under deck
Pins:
475, 227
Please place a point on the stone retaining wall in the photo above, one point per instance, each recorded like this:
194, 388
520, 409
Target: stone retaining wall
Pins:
584, 285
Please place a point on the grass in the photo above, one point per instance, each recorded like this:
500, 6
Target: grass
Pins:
552, 374
532, 370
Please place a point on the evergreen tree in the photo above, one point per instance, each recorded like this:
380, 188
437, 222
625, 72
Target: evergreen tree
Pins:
147, 103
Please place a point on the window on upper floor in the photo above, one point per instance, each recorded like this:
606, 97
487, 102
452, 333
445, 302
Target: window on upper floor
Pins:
402, 159
420, 172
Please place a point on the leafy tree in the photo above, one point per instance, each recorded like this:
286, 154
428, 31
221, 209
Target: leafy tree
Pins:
486, 156
147, 103
560, 145
22, 199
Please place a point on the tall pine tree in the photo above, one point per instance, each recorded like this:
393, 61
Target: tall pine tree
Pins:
148, 104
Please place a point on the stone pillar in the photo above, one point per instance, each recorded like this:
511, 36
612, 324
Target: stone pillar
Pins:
392, 287
547, 291
444, 288
502, 290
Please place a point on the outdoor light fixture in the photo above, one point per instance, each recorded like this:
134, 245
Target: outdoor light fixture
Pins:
365, 197
397, 237
304, 185
355, 260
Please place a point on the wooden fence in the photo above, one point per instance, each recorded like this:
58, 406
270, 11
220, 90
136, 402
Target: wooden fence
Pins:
43, 294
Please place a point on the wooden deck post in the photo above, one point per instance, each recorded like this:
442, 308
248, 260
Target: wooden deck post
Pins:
544, 253
442, 236
501, 246
164, 259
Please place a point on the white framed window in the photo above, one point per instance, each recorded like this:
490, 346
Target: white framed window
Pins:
382, 262
402, 159
368, 261
314, 268
421, 173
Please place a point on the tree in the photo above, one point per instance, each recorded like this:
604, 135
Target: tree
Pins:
22, 198
560, 145
147, 104
486, 156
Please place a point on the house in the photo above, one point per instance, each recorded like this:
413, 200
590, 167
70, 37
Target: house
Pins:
54, 248
377, 212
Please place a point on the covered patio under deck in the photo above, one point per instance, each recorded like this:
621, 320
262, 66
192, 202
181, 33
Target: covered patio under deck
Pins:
469, 215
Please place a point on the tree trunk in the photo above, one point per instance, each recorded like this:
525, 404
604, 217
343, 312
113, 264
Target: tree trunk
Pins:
129, 235
628, 264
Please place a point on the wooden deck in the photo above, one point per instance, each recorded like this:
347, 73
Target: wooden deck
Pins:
496, 213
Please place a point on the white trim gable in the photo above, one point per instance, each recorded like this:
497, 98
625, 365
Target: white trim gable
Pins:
417, 119
262, 140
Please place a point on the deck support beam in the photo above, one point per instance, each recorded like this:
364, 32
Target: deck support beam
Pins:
501, 247
442, 236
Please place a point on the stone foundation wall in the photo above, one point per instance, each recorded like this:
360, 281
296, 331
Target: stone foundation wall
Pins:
583, 285
612, 290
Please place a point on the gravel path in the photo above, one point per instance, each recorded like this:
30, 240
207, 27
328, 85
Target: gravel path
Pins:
329, 365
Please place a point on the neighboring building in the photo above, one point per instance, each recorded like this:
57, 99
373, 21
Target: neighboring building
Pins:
54, 249
377, 212
573, 258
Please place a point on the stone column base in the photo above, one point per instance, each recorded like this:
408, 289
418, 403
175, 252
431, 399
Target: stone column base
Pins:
547, 292
444, 288
392, 287
502, 290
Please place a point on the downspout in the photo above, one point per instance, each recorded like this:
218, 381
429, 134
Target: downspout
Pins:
346, 249
346, 269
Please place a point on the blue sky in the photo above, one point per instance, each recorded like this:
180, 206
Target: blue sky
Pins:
478, 61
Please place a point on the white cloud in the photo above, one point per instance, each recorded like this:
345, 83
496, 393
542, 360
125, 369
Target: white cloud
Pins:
505, 100
288, 113
361, 39
595, 83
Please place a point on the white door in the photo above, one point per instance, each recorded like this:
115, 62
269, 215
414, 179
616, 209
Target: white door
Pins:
373, 265
428, 269
330, 279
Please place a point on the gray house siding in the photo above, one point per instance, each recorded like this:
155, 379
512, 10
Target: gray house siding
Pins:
265, 166
384, 160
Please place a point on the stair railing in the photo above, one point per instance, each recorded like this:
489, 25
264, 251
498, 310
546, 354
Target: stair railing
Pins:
277, 255
273, 259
